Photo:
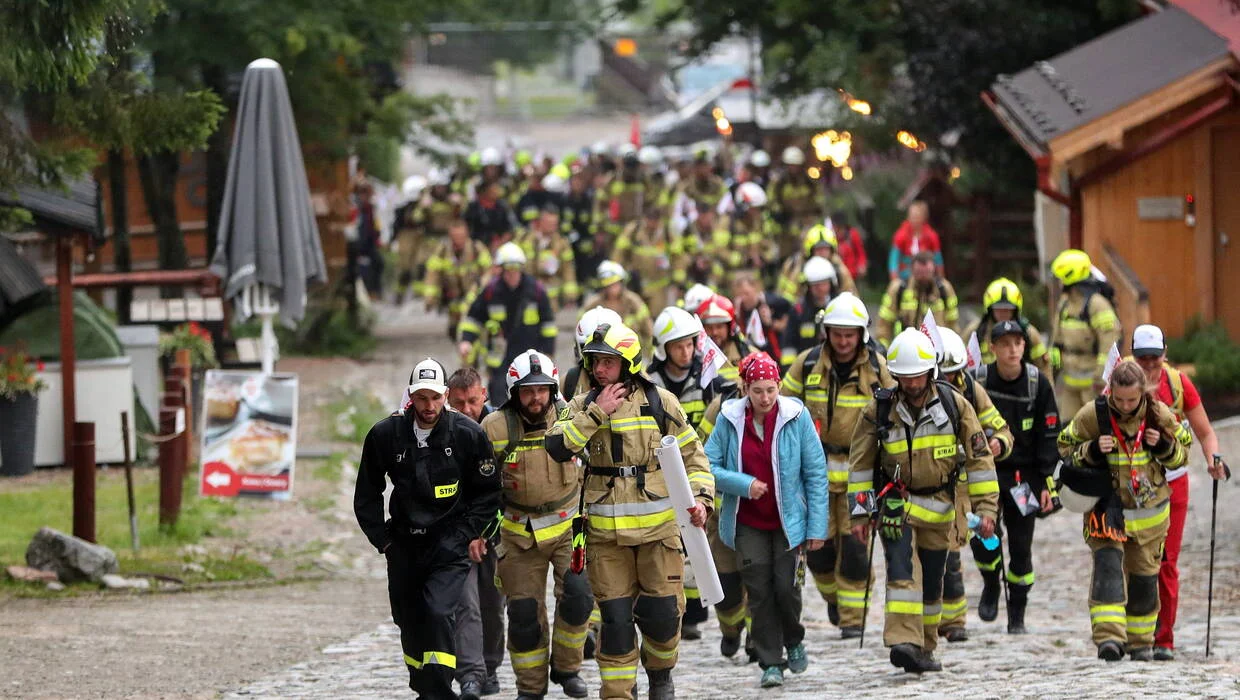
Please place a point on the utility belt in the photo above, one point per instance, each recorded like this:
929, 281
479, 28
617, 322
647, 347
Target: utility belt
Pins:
946, 487
630, 470
543, 508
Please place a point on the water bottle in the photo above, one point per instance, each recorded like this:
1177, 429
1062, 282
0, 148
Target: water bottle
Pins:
975, 523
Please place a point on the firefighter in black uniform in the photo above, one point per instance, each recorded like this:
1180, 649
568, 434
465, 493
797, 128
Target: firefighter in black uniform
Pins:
1026, 400
446, 492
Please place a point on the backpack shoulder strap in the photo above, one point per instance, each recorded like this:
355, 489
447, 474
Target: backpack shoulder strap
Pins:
874, 365
1103, 412
982, 372
970, 389
948, 399
1175, 378
811, 359
656, 408
513, 424
1089, 291
1031, 382
942, 290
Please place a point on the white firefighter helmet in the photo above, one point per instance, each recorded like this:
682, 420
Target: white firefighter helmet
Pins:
554, 183
490, 156
1086, 480
625, 150
955, 356
510, 254
751, 194
439, 177
818, 269
532, 368
600, 148
760, 159
591, 320
412, 187
610, 272
673, 323
793, 156
697, 294
650, 155
847, 311
911, 354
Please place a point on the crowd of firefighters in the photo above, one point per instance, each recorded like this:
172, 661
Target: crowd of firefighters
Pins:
704, 297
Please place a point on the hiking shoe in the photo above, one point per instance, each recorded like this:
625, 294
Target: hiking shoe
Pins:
833, 613
1141, 654
772, 677
1164, 654
913, 659
728, 646
490, 686
797, 660
955, 634
690, 631
471, 690
850, 632
1110, 651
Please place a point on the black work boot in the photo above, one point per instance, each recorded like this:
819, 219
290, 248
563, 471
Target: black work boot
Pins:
913, 659
1018, 600
988, 605
661, 687
833, 613
850, 632
728, 646
1110, 651
571, 683
954, 634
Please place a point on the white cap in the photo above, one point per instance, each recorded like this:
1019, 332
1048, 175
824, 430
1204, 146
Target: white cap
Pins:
1147, 341
428, 374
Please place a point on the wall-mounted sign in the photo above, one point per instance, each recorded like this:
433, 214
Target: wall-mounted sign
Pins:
1160, 208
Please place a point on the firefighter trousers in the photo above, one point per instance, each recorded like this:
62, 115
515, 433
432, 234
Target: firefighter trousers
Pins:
733, 610
638, 587
915, 565
1123, 591
425, 580
841, 567
522, 572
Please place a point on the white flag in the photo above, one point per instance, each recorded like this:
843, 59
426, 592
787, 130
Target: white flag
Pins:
753, 329
1112, 360
405, 400
712, 359
974, 352
931, 328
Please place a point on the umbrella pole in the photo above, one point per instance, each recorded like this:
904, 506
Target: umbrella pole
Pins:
268, 345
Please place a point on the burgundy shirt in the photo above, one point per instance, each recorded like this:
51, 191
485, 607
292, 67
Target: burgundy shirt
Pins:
761, 513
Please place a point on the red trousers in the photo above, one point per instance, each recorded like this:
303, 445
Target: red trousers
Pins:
1169, 571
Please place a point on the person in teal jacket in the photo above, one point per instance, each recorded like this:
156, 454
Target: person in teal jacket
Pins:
771, 475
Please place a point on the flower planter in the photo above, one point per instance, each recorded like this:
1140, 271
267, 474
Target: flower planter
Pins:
18, 419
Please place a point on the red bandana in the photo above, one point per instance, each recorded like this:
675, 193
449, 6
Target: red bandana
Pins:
759, 365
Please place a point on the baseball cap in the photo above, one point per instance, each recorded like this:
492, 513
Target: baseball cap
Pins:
1003, 328
1147, 341
428, 374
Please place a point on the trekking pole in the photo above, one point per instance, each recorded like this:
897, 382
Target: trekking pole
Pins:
869, 582
1213, 521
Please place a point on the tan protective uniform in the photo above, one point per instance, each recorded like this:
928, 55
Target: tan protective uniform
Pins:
1083, 341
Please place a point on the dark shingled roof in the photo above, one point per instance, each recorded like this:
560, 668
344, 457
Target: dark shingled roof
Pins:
1057, 96
73, 210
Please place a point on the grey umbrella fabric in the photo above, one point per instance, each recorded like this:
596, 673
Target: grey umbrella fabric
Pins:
21, 287
268, 235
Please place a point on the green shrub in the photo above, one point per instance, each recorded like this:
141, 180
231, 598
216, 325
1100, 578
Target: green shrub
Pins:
1216, 359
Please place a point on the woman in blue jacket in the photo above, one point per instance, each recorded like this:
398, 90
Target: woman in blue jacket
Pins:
771, 474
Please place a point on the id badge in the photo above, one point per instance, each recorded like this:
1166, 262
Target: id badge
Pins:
861, 503
1026, 502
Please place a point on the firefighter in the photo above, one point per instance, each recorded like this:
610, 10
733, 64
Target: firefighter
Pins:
540, 502
705, 255
646, 247
904, 460
454, 272
614, 295
445, 492
906, 302
551, 258
819, 241
1083, 332
718, 316
752, 232
703, 188
1003, 301
576, 381
836, 380
999, 439
537, 197
577, 223
1117, 451
423, 225
515, 314
622, 200
633, 542
821, 286
1026, 400
795, 202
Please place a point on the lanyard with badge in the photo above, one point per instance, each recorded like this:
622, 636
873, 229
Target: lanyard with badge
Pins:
1138, 483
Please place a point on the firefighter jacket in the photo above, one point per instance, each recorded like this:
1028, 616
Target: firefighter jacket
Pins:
577, 218
1035, 349
1131, 460
450, 488
688, 390
706, 192
433, 214
532, 203
1027, 404
795, 202
620, 202
836, 395
704, 256
551, 262
632, 308
1084, 330
905, 305
802, 329
454, 276
540, 494
929, 448
792, 279
511, 320
993, 423
647, 253
625, 493
758, 244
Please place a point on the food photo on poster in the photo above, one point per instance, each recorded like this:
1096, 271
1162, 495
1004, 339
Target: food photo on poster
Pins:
249, 433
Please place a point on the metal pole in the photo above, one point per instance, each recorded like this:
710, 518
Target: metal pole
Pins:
68, 384
84, 481
869, 582
133, 513
1210, 589
170, 472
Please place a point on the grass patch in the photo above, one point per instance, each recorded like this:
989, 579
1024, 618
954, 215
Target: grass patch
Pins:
351, 416
26, 508
332, 468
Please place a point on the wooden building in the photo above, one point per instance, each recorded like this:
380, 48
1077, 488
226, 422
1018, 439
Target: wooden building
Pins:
1137, 134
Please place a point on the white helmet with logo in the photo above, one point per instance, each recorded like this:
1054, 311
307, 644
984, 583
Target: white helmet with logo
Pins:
532, 368
760, 159
650, 155
697, 294
955, 356
847, 311
490, 156
751, 194
793, 156
819, 269
673, 323
911, 354
610, 272
591, 320
439, 177
510, 254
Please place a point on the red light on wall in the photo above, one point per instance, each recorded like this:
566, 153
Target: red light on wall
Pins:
1190, 210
